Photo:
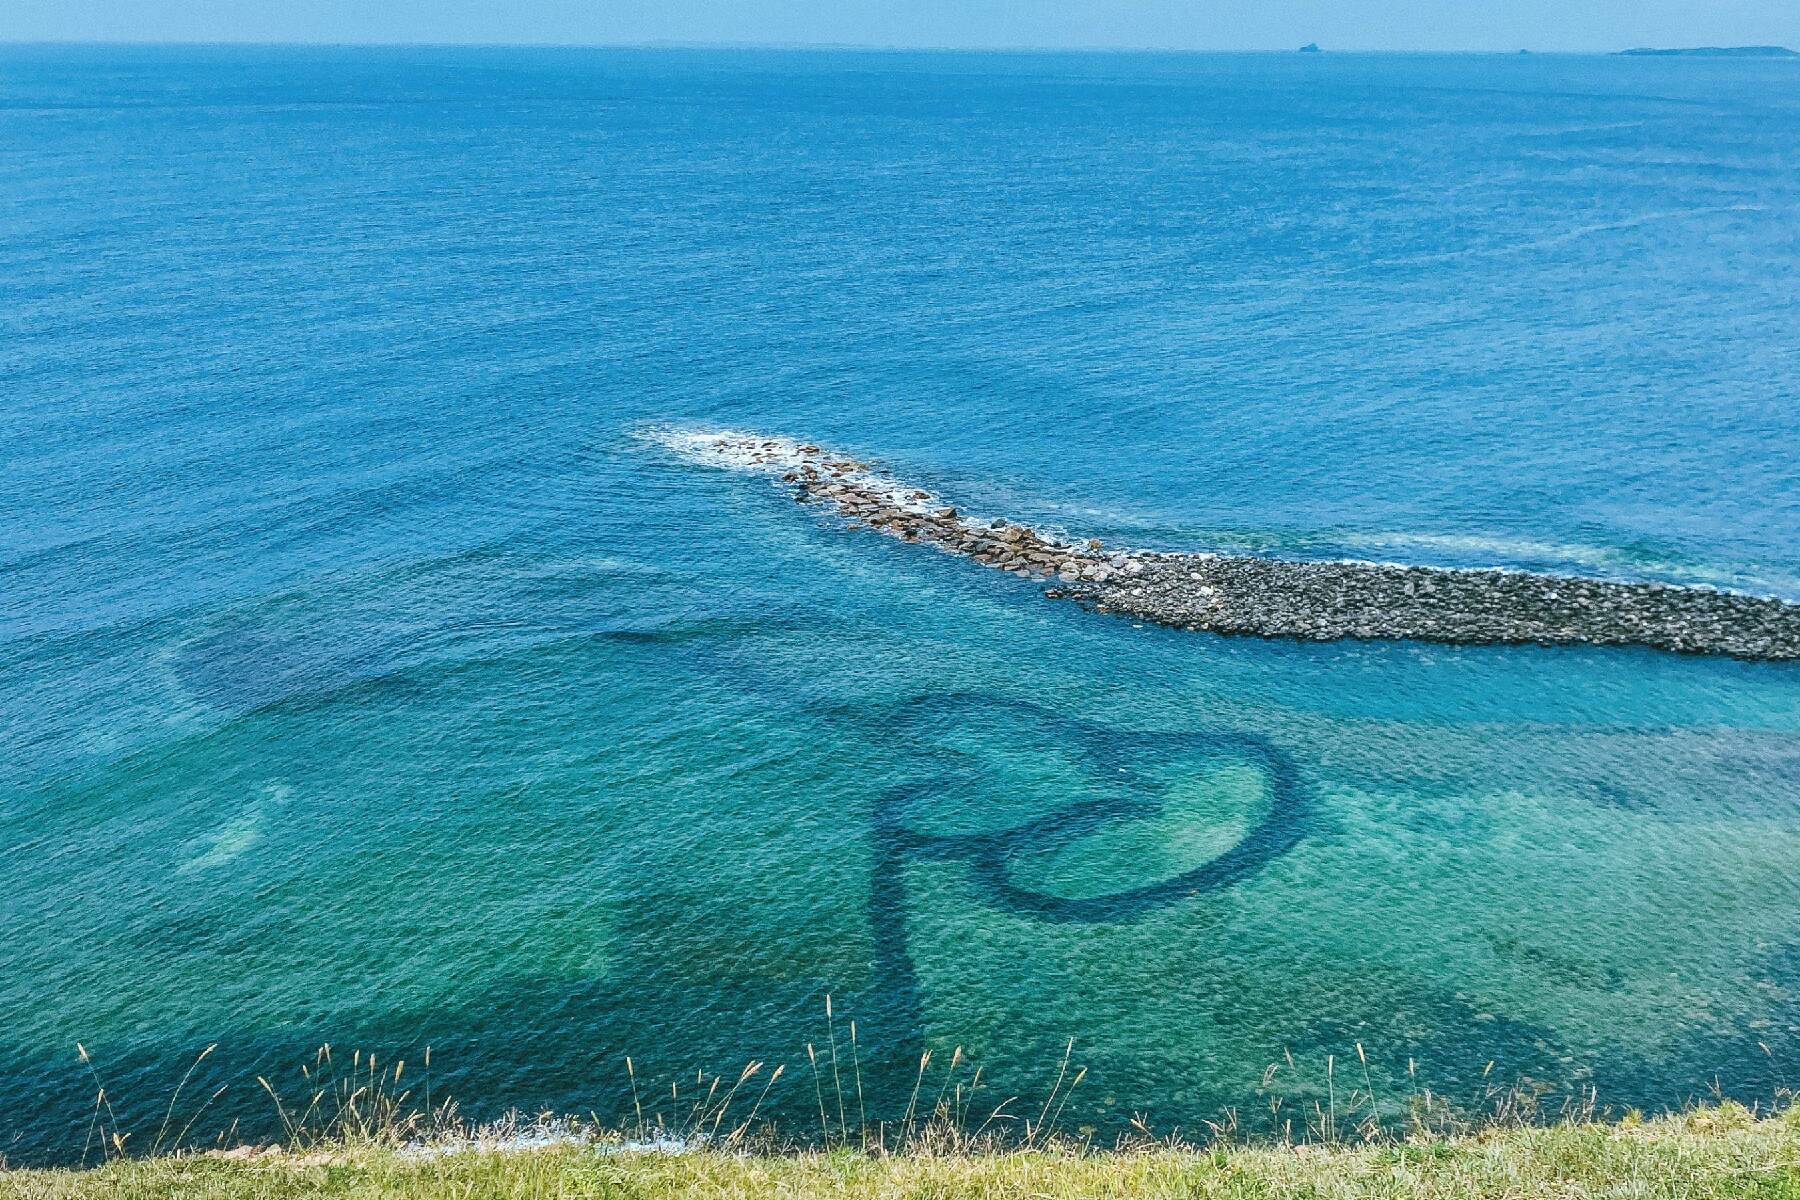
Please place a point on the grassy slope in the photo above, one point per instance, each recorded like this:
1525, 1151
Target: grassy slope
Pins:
1706, 1154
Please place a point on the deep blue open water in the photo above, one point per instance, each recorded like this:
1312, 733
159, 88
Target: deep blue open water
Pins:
368, 675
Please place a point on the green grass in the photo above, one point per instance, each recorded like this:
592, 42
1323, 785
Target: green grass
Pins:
353, 1127
1712, 1152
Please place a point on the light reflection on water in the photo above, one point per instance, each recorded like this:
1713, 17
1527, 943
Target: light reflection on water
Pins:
367, 680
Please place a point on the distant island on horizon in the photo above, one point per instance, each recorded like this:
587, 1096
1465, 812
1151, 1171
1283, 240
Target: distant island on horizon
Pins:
1713, 52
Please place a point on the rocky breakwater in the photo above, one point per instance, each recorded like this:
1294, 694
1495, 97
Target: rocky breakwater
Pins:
1266, 597
869, 499
1323, 601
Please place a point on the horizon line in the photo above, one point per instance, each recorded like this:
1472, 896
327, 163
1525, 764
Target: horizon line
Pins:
799, 47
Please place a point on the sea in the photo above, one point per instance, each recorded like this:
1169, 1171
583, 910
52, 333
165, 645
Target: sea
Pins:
375, 673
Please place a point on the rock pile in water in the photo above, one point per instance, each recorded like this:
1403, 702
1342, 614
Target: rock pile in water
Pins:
1265, 597
1321, 601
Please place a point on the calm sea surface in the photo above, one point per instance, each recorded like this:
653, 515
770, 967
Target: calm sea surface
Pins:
368, 675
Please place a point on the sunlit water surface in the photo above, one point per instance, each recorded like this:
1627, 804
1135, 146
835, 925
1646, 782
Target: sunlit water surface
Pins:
368, 676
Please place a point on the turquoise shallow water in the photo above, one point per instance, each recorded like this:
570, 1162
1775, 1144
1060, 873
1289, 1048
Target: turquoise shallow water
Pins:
369, 676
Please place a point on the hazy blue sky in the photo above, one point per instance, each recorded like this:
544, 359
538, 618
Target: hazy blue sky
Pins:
1197, 24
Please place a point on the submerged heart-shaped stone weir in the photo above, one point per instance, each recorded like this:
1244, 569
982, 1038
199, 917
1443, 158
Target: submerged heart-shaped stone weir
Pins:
1118, 783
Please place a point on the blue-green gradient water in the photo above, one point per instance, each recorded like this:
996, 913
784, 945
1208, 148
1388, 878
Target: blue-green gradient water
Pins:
367, 675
